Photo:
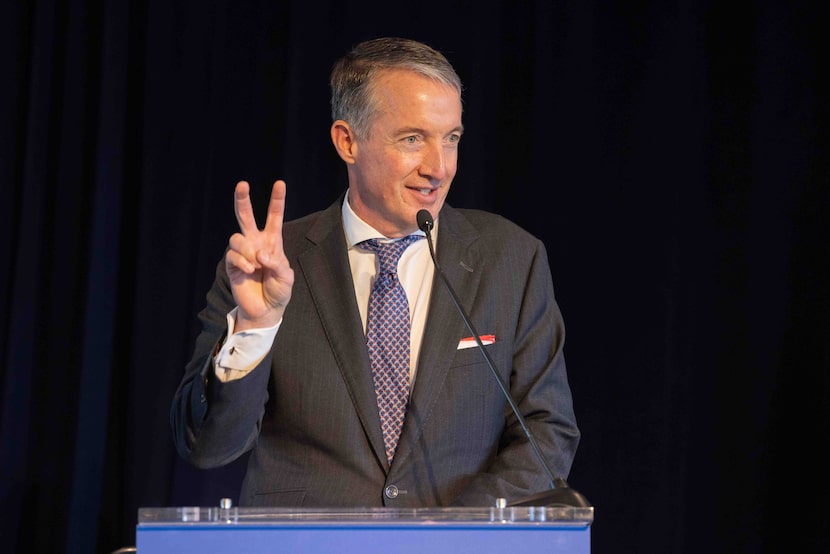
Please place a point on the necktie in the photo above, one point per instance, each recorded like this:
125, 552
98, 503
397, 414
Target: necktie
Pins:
387, 337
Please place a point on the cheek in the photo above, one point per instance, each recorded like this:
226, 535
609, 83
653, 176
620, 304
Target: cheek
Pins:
451, 160
390, 165
452, 166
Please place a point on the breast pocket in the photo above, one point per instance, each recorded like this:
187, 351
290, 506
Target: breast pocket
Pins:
498, 353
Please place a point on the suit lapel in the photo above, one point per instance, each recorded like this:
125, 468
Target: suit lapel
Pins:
457, 253
325, 267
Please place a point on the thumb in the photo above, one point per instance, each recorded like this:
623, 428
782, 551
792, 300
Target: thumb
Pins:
264, 257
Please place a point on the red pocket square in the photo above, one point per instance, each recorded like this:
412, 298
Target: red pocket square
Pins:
469, 342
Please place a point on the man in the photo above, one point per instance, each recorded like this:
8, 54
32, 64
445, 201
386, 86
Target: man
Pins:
289, 363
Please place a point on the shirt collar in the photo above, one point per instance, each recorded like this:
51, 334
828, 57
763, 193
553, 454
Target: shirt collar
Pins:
358, 230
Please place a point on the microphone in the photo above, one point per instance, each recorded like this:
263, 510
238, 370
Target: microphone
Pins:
560, 494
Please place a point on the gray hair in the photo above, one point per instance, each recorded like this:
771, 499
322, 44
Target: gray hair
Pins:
353, 76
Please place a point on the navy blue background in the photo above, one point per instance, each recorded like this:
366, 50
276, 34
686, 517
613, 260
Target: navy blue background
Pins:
671, 155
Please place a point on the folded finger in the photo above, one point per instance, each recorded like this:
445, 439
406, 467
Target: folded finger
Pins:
242, 253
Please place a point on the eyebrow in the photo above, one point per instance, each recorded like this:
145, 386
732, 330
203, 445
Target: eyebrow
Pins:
419, 130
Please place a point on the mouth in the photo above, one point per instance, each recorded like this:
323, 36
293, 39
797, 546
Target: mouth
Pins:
425, 192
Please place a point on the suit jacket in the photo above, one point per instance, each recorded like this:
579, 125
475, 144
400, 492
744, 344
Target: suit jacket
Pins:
308, 412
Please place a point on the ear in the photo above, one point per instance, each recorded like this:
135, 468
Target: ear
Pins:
343, 138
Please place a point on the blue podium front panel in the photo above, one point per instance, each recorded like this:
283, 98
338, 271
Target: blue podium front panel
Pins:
367, 531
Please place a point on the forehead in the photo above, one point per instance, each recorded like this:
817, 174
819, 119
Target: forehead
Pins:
406, 95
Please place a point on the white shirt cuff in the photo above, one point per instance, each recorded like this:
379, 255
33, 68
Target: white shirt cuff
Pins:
242, 351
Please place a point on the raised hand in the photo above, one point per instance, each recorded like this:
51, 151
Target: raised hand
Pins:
260, 275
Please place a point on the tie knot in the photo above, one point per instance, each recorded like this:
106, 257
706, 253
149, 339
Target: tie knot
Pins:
389, 252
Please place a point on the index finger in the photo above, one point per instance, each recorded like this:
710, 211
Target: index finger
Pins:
243, 209
276, 210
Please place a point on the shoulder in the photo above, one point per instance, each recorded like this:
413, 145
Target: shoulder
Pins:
480, 225
315, 226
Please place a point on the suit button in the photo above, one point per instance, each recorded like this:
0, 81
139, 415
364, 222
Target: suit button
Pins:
391, 491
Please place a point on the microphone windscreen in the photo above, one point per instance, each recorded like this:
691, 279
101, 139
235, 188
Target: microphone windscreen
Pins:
424, 221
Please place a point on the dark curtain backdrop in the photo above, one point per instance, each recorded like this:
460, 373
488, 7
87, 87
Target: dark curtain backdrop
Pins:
672, 156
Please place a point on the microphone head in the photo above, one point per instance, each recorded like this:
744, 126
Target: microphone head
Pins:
425, 222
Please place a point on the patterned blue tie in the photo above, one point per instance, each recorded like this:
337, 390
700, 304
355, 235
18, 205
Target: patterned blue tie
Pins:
387, 337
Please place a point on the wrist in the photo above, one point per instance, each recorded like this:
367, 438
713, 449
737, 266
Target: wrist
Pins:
244, 322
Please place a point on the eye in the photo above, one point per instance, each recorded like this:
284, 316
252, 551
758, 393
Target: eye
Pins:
412, 139
454, 138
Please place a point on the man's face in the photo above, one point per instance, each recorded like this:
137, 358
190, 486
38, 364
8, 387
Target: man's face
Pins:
410, 157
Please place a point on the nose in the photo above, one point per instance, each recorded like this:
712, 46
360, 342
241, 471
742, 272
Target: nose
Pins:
434, 162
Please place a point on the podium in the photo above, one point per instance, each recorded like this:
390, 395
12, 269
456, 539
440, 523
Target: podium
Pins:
215, 530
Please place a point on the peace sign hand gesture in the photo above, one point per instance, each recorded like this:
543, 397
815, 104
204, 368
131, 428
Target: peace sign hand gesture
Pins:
261, 277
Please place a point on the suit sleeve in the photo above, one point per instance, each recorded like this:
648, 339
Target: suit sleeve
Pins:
214, 423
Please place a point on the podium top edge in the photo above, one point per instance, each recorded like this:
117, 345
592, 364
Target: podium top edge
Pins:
212, 515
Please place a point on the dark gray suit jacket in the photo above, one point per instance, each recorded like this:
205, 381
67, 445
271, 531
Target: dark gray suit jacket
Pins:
309, 413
